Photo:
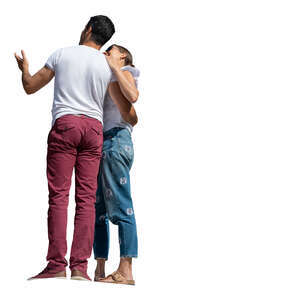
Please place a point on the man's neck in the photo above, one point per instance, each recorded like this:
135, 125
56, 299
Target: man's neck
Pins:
92, 45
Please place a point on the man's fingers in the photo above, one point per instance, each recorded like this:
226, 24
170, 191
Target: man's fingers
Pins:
19, 62
18, 58
23, 54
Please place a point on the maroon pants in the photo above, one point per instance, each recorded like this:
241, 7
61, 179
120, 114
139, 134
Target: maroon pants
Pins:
74, 141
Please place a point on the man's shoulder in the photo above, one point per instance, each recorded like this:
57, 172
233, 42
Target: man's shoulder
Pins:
68, 48
84, 51
72, 52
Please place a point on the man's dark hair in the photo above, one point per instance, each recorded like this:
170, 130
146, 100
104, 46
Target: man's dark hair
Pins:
102, 29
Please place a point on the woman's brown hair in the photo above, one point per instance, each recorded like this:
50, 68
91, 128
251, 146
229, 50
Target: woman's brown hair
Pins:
128, 58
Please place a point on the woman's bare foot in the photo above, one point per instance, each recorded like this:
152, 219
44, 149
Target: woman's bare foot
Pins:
100, 269
125, 269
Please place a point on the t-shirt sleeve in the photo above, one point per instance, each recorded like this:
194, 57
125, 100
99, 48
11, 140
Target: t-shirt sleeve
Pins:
113, 78
133, 70
53, 60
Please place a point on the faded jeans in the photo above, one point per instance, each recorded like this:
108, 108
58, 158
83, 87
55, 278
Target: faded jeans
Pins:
113, 197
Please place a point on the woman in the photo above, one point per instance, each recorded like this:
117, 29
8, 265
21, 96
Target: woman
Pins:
114, 201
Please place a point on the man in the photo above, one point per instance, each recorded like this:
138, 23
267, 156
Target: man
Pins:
82, 76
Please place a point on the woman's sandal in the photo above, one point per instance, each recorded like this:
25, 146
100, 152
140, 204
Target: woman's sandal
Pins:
118, 278
99, 277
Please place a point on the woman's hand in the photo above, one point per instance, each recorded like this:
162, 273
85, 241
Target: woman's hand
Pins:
114, 59
125, 79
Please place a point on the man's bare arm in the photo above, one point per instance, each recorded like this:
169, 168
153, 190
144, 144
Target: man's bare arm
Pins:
32, 84
126, 108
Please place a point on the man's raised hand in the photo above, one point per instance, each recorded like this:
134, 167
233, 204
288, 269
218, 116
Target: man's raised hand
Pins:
22, 61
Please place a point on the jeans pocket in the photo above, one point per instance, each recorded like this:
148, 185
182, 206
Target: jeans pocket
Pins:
64, 123
96, 129
60, 132
60, 128
126, 151
94, 137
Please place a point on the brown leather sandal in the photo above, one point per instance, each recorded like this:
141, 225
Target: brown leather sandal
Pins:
99, 276
118, 278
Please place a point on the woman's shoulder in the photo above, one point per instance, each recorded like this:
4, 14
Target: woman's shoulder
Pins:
133, 70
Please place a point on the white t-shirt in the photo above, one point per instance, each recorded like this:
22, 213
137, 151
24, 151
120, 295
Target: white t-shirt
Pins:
112, 116
82, 76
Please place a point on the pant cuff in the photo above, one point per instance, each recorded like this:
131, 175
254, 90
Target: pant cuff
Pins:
99, 257
131, 256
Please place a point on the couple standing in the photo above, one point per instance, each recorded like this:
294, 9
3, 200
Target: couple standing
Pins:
93, 118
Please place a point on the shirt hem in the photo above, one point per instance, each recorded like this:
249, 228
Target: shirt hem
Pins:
61, 114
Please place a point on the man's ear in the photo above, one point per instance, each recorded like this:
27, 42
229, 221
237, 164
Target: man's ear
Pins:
88, 30
88, 33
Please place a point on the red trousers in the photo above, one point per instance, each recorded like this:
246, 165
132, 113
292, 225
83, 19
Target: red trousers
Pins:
74, 141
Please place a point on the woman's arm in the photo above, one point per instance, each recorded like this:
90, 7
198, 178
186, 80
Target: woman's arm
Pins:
127, 84
125, 78
126, 108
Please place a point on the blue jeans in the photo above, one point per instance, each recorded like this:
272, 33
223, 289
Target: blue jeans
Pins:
113, 197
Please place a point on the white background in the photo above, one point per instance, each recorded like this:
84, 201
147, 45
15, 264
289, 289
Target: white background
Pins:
216, 174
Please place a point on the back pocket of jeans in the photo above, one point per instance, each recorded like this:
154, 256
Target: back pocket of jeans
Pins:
96, 129
63, 127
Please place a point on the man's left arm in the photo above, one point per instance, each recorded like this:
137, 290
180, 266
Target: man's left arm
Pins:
32, 84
